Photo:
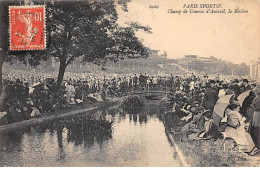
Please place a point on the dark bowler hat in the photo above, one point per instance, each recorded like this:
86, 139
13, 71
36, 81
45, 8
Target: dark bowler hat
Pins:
245, 80
212, 81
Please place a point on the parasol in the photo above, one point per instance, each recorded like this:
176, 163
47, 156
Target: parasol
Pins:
2, 114
241, 98
220, 107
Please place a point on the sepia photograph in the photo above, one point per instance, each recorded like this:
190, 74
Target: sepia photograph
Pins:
129, 83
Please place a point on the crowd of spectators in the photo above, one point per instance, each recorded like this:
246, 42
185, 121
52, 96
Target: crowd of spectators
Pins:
193, 98
196, 107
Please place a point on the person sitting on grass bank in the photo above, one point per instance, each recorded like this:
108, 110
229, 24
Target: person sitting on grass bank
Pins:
192, 111
236, 130
201, 127
254, 127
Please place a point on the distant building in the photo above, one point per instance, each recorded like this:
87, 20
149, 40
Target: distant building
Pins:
195, 63
164, 55
153, 64
255, 68
153, 53
205, 59
191, 56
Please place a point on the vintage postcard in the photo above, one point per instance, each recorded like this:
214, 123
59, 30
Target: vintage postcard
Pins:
129, 83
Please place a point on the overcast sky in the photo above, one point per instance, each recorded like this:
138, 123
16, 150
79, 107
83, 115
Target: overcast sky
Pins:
232, 37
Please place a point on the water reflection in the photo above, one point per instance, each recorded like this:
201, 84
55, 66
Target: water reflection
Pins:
61, 152
108, 137
7, 144
86, 129
136, 114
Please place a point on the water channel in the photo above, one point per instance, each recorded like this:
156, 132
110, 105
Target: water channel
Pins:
137, 139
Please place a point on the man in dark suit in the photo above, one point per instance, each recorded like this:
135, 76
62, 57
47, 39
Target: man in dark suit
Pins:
236, 88
213, 86
210, 98
135, 80
142, 81
245, 86
10, 91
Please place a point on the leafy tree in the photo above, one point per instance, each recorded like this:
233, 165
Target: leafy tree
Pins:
244, 69
86, 29
89, 30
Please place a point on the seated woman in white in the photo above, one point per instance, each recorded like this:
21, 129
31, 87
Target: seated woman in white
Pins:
236, 130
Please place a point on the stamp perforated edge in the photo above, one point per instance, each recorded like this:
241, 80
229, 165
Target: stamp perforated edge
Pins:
44, 22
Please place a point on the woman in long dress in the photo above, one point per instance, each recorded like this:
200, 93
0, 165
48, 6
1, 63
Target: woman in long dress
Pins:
236, 130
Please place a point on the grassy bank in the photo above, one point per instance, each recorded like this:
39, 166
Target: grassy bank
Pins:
207, 153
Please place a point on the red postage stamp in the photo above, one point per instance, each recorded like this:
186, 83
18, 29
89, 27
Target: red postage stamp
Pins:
27, 27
